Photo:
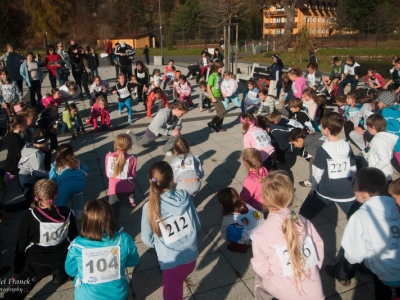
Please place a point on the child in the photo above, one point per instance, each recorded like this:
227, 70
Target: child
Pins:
299, 83
340, 100
70, 175
53, 98
186, 167
282, 271
123, 89
394, 83
98, 88
239, 220
71, 114
97, 258
335, 76
394, 190
47, 120
156, 95
100, 109
267, 104
321, 110
69, 92
169, 71
308, 144
350, 110
32, 163
314, 78
170, 224
135, 84
214, 91
93, 62
121, 173
333, 171
184, 90
205, 99
371, 236
62, 73
297, 113
173, 83
374, 80
250, 96
155, 79
9, 91
229, 90
351, 74
287, 92
44, 235
30, 116
309, 99
252, 185
380, 150
255, 136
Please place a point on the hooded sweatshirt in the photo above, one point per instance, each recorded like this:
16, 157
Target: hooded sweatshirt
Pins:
270, 260
381, 152
372, 236
192, 167
174, 247
32, 159
257, 138
350, 71
252, 187
392, 117
333, 171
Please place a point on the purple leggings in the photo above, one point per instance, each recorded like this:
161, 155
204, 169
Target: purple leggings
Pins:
172, 280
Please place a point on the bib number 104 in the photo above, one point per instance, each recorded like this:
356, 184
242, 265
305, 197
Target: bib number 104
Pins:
102, 265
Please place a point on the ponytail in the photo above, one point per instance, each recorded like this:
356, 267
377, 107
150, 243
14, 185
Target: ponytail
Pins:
122, 143
181, 146
247, 119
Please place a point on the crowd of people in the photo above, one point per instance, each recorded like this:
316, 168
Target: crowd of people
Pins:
281, 118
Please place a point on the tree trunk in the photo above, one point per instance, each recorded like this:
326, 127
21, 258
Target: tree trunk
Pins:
284, 42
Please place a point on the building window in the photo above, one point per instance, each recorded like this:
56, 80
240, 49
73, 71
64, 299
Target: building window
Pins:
317, 20
278, 31
278, 20
332, 20
313, 20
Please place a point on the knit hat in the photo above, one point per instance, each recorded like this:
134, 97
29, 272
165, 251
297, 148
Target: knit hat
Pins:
123, 44
386, 97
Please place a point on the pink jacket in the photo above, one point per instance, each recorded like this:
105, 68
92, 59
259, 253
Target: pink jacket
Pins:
184, 89
252, 188
299, 86
229, 87
311, 108
97, 112
118, 185
267, 241
378, 79
257, 138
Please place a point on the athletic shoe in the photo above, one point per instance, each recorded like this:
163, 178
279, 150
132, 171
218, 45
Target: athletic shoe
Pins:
212, 127
168, 153
305, 183
130, 120
329, 271
119, 112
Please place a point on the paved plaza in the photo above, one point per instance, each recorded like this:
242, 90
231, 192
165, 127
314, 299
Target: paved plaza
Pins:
219, 274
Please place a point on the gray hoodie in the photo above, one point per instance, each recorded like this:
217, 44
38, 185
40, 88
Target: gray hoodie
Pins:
164, 123
32, 160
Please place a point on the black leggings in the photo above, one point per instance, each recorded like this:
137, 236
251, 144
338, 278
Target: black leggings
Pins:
270, 162
348, 127
141, 96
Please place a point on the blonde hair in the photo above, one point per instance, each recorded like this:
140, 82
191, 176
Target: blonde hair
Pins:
253, 158
278, 194
122, 143
45, 190
181, 146
161, 177
100, 99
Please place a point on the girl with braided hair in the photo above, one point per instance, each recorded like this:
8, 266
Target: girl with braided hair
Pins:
186, 167
44, 236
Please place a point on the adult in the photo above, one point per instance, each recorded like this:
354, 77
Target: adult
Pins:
207, 53
65, 58
275, 71
312, 58
93, 62
218, 55
72, 46
13, 64
166, 124
52, 63
109, 50
143, 79
116, 64
200, 68
78, 69
146, 54
125, 55
31, 72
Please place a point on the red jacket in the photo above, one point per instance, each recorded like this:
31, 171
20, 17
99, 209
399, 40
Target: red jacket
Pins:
51, 63
108, 48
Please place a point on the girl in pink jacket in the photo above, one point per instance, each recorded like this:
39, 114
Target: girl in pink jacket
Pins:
252, 186
309, 99
254, 136
229, 90
184, 90
100, 109
299, 82
282, 271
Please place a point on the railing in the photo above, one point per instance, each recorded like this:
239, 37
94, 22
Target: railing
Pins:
277, 25
277, 14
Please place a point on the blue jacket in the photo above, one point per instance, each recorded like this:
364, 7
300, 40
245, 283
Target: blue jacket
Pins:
392, 116
275, 71
13, 64
26, 75
184, 250
116, 289
67, 175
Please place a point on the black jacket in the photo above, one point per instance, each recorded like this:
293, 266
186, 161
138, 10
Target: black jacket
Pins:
15, 143
76, 61
93, 60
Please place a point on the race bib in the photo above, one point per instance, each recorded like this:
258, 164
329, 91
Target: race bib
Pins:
101, 265
294, 123
141, 75
262, 139
173, 228
308, 251
111, 163
189, 166
339, 169
352, 113
53, 233
170, 74
252, 95
124, 93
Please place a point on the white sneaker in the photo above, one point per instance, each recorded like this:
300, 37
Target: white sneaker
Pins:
168, 153
305, 183
129, 132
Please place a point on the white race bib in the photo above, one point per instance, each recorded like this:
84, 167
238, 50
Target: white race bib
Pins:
294, 123
173, 228
101, 265
308, 251
352, 114
111, 163
339, 169
124, 93
262, 139
52, 234
252, 95
141, 75
189, 166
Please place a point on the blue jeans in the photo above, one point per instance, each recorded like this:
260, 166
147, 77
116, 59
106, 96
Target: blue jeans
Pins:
95, 72
234, 99
127, 103
61, 81
345, 82
248, 102
64, 127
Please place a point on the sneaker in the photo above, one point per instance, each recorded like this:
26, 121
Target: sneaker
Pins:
201, 110
132, 202
130, 120
329, 270
78, 216
305, 183
221, 129
60, 279
168, 153
119, 112
212, 127
128, 132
